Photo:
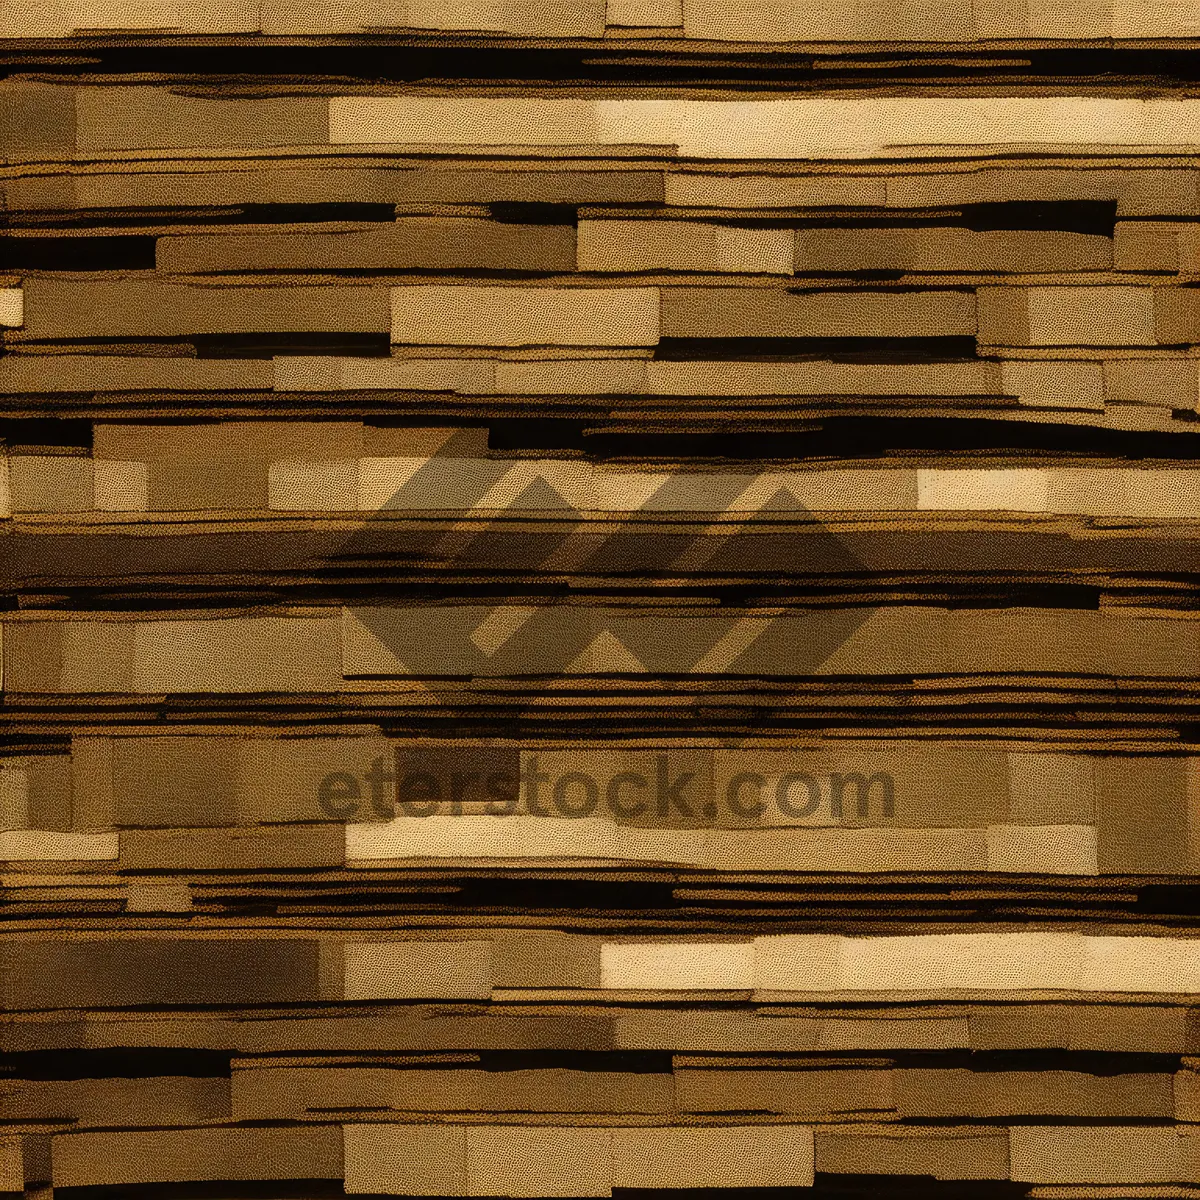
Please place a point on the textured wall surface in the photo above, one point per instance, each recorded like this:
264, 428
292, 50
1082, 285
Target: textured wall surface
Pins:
599, 598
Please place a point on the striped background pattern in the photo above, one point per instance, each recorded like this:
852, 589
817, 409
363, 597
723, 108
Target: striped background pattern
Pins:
599, 598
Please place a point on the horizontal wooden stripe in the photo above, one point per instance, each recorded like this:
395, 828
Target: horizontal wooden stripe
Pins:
949, 21
53, 845
912, 641
472, 1160
315, 653
323, 473
929, 962
1139, 188
466, 964
806, 128
1046, 850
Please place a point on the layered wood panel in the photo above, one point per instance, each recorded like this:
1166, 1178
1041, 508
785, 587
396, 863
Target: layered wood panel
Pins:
599, 599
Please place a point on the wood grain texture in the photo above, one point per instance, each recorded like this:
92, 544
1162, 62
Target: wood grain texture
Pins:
599, 598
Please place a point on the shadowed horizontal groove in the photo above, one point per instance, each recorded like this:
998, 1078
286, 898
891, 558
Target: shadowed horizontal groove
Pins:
266, 345
244, 214
338, 583
123, 1063
108, 253
341, 59
1074, 216
832, 1186
847, 438
824, 438
238, 1189
263, 345
148, 1062
532, 213
865, 349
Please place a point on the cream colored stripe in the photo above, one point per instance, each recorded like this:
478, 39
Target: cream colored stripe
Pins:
45, 845
677, 965
795, 128
12, 307
816, 962
518, 836
522, 837
1066, 961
